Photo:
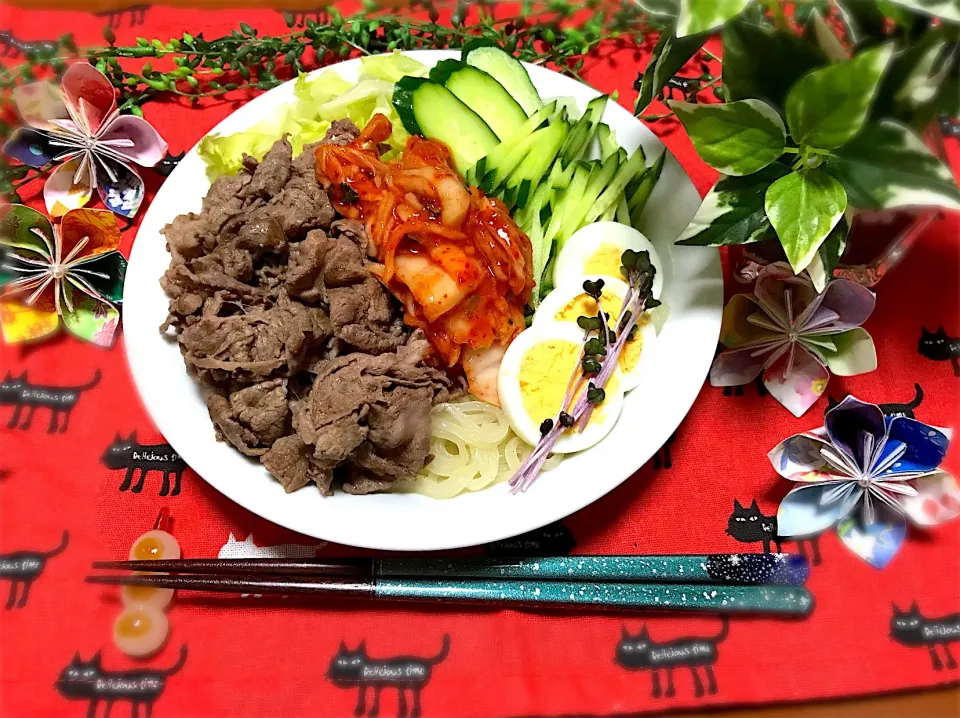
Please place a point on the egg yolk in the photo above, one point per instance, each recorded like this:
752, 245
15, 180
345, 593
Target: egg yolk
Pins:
545, 372
606, 259
148, 548
583, 305
133, 624
630, 354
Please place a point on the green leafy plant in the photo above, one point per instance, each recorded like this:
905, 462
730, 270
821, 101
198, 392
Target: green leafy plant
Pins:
816, 123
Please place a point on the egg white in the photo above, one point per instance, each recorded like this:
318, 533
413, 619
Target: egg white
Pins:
571, 263
554, 303
511, 394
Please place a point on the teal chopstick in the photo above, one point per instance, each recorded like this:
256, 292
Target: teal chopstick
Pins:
686, 597
751, 569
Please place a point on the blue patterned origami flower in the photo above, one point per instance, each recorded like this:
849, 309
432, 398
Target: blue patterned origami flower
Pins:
867, 474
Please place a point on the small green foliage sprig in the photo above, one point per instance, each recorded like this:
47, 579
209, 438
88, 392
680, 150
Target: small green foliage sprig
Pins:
559, 33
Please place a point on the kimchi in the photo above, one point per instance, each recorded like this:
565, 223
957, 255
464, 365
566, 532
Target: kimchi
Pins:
455, 259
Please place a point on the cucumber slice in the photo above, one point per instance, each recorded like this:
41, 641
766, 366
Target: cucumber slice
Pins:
505, 69
611, 194
431, 110
536, 163
482, 94
494, 171
565, 201
637, 199
607, 139
600, 177
579, 138
622, 213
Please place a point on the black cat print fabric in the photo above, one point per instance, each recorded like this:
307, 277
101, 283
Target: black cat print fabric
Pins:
74, 462
19, 393
168, 164
405, 674
912, 629
89, 681
640, 652
939, 346
22, 568
750, 525
131, 456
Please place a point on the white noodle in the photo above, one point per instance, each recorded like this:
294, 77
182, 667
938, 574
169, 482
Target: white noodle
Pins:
473, 447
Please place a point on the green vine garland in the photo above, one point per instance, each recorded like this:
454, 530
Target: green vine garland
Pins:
560, 33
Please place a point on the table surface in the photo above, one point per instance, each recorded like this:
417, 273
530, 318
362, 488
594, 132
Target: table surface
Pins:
529, 664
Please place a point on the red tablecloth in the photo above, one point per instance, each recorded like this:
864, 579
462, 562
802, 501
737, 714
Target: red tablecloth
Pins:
258, 657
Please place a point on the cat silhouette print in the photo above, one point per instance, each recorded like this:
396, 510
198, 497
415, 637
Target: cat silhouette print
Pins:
22, 568
130, 455
911, 628
642, 653
752, 526
356, 669
90, 681
939, 346
18, 392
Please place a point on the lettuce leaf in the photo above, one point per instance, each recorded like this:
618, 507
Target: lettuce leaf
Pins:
317, 103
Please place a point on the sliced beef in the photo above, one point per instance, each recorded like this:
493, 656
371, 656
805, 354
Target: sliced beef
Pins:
303, 357
341, 132
246, 348
290, 461
253, 418
355, 232
372, 414
362, 317
271, 175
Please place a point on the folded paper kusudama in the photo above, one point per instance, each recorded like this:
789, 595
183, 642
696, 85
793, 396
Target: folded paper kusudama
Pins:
78, 125
866, 474
794, 336
48, 272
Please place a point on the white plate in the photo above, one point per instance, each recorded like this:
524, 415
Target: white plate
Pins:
651, 413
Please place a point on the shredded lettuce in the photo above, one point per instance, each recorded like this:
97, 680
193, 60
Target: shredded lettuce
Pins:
317, 103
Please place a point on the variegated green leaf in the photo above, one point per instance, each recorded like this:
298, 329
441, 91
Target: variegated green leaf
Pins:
828, 106
946, 9
827, 258
803, 208
888, 166
704, 15
735, 138
733, 211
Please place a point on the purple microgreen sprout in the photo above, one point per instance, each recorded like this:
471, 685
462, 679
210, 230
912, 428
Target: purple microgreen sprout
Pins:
597, 361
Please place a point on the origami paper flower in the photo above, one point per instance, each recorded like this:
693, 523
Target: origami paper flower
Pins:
886, 466
78, 124
793, 336
73, 271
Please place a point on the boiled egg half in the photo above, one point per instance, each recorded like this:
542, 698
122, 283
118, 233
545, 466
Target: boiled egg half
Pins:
568, 301
596, 249
534, 375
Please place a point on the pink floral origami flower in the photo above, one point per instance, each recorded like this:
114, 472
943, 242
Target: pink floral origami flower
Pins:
78, 124
795, 337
